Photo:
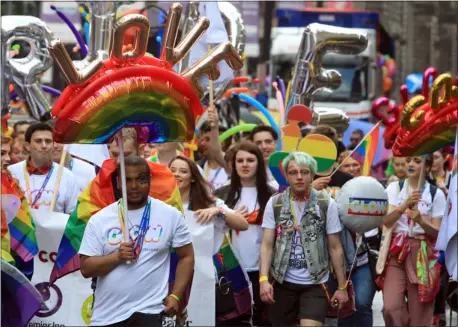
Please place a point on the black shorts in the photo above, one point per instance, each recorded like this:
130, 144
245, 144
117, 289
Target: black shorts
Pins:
294, 302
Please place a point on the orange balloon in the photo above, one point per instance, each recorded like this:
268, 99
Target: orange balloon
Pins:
387, 84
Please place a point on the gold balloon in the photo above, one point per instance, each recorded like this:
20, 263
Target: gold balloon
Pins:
174, 54
140, 42
407, 121
442, 83
207, 65
68, 69
455, 92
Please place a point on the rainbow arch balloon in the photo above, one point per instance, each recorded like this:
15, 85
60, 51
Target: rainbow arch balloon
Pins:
131, 89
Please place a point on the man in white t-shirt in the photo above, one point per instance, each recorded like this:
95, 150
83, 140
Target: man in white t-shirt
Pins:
85, 172
301, 231
136, 293
266, 138
212, 157
37, 175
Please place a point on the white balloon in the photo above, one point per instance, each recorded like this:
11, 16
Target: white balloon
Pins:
362, 204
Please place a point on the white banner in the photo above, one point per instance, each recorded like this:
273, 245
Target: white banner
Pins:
201, 306
69, 300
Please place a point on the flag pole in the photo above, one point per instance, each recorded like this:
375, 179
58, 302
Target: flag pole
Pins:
123, 187
58, 178
359, 144
421, 183
210, 86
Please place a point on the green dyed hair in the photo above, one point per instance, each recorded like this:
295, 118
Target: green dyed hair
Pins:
301, 158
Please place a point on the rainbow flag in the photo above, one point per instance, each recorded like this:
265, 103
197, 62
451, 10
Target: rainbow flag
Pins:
97, 195
16, 212
6, 242
228, 267
20, 299
368, 149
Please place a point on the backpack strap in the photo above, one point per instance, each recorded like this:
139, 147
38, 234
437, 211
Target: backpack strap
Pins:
276, 204
323, 202
322, 198
432, 191
401, 185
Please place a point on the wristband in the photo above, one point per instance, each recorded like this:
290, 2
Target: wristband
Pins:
175, 297
344, 288
263, 279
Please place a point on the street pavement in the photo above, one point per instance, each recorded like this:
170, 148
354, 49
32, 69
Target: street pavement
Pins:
377, 307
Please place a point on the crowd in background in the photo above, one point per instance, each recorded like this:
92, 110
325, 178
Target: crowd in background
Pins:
236, 174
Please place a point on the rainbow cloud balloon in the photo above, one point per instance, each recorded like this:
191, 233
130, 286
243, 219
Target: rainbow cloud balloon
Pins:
130, 89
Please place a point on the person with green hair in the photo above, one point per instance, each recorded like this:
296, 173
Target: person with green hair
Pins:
301, 239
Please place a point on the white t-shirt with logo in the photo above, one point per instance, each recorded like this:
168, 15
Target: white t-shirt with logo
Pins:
428, 209
248, 243
67, 194
84, 172
143, 285
297, 271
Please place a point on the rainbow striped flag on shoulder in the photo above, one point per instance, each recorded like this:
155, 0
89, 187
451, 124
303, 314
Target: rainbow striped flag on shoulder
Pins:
367, 149
16, 214
97, 195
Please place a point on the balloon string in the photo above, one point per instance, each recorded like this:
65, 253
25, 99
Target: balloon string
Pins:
281, 107
83, 47
210, 85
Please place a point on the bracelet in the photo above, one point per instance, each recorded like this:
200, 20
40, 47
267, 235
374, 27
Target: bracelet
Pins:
221, 213
175, 297
344, 288
263, 279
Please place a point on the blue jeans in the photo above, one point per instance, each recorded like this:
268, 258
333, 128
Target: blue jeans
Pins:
364, 287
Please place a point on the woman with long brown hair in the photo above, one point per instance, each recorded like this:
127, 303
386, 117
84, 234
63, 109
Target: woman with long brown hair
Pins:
197, 195
248, 193
200, 203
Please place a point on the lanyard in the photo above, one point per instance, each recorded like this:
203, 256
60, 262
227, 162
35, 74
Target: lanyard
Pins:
144, 225
42, 188
207, 174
